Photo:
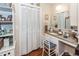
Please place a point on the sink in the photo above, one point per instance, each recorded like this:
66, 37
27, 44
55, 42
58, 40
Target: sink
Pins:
53, 33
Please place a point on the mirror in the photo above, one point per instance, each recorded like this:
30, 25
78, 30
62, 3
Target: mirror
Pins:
64, 16
62, 20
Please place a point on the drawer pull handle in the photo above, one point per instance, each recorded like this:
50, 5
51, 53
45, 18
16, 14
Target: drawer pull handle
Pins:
4, 54
9, 53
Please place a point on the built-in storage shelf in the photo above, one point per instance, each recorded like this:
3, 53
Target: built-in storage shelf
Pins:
6, 30
6, 35
6, 22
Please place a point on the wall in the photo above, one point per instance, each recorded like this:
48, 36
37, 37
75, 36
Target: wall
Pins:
71, 7
78, 23
73, 14
65, 7
45, 9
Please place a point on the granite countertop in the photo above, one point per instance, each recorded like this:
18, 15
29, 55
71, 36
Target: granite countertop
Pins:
69, 40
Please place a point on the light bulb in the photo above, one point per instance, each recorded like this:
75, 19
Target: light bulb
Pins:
59, 8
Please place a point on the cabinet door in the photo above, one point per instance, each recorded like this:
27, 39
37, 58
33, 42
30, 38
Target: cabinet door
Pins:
30, 29
8, 53
3, 53
23, 29
33, 29
36, 28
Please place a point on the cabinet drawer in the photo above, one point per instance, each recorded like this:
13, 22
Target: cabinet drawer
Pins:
10, 53
7, 53
3, 54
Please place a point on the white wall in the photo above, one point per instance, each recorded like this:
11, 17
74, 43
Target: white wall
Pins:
65, 7
45, 9
73, 14
78, 22
71, 7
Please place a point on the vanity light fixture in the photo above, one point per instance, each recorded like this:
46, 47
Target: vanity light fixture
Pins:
60, 8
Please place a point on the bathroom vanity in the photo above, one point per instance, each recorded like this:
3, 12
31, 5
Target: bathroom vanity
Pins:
63, 44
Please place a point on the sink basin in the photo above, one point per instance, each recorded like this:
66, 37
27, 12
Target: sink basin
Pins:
53, 33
